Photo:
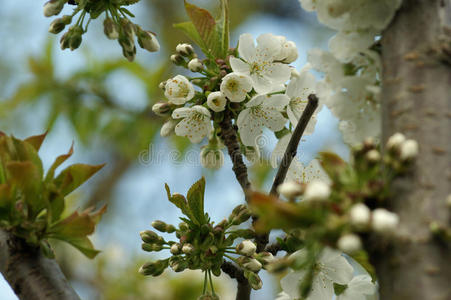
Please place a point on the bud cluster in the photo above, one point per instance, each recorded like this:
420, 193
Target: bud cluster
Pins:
116, 25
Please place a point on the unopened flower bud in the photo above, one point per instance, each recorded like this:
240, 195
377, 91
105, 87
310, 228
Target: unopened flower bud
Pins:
162, 109
162, 85
175, 248
211, 158
242, 217
168, 127
111, 29
265, 258
53, 7
147, 40
57, 26
159, 225
246, 247
154, 268
195, 65
409, 150
317, 191
148, 236
254, 280
295, 73
183, 226
395, 141
290, 52
151, 247
349, 243
290, 189
127, 28
216, 101
250, 264
373, 156
384, 221
184, 49
187, 248
177, 59
359, 215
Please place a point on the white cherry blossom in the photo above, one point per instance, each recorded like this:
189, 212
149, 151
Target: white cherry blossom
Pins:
179, 90
359, 288
298, 91
196, 122
236, 86
261, 111
216, 101
259, 62
330, 268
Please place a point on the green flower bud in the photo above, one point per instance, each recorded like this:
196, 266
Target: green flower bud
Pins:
127, 28
151, 247
211, 157
178, 264
254, 280
111, 29
154, 268
57, 26
150, 237
242, 217
75, 39
53, 7
159, 225
237, 210
183, 226
265, 258
64, 41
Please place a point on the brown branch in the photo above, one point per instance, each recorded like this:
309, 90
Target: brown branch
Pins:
290, 153
230, 138
228, 134
292, 147
30, 274
244, 289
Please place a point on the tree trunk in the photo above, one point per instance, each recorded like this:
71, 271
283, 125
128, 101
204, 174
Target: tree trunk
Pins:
416, 55
30, 274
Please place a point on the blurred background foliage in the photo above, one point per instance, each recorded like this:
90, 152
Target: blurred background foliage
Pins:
96, 98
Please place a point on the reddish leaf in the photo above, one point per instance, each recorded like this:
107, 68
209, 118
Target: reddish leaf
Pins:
36, 140
58, 161
74, 176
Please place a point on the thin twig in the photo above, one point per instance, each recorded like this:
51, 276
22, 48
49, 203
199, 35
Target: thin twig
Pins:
290, 153
292, 147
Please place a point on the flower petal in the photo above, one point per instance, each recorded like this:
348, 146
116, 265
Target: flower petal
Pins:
181, 112
246, 47
335, 267
239, 66
249, 127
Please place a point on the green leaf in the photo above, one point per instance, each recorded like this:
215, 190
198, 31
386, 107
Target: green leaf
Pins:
75, 228
190, 30
223, 27
179, 201
58, 161
83, 244
74, 176
195, 198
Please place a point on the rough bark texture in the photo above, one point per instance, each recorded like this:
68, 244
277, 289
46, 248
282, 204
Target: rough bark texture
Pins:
31, 275
417, 102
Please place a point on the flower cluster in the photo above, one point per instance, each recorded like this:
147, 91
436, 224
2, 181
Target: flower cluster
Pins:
117, 26
250, 85
201, 244
340, 208
351, 85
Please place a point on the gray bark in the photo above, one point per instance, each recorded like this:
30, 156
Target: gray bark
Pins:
30, 274
417, 102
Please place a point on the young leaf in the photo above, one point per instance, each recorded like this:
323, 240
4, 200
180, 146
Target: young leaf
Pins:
195, 198
179, 201
83, 244
36, 140
223, 25
74, 176
58, 161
